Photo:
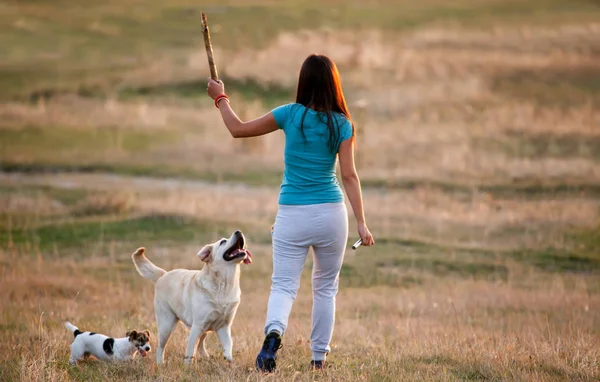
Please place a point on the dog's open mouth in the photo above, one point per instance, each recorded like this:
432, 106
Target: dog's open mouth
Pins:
142, 352
237, 251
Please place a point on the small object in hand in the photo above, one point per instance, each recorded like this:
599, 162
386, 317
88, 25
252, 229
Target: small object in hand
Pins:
357, 244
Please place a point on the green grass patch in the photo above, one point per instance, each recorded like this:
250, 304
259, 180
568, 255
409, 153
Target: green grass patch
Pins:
439, 267
30, 82
394, 262
586, 241
76, 144
558, 261
523, 144
584, 257
515, 188
580, 255
399, 245
554, 87
398, 258
9, 369
270, 94
87, 234
361, 276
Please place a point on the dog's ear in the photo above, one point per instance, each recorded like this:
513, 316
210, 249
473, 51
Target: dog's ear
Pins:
147, 333
132, 333
205, 253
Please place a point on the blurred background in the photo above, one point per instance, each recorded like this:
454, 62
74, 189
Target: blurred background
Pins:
478, 149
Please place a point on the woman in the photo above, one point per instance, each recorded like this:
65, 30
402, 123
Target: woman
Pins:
311, 212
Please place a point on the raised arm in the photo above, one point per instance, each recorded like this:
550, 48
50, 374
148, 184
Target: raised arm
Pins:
238, 128
352, 186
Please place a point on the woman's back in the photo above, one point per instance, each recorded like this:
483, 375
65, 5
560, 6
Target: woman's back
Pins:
310, 154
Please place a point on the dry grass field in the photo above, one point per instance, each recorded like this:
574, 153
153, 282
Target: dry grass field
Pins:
478, 147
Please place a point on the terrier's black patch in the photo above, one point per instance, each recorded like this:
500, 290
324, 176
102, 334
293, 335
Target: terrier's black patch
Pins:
76, 333
108, 345
92, 333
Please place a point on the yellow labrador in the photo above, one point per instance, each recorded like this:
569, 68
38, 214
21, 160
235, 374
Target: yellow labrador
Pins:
204, 300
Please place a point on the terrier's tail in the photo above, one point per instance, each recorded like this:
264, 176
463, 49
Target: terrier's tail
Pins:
145, 266
73, 329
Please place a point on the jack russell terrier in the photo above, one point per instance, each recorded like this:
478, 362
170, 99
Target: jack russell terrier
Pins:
106, 348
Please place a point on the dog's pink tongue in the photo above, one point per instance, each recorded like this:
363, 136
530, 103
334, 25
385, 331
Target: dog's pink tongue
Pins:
143, 353
248, 258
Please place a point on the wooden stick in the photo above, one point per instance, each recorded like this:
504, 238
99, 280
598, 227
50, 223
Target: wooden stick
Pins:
209, 51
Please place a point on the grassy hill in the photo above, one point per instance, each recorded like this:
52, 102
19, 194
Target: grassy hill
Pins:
478, 149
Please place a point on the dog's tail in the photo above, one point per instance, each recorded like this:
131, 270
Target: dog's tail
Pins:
145, 266
73, 329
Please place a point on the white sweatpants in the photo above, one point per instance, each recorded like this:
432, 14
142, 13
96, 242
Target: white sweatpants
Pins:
296, 229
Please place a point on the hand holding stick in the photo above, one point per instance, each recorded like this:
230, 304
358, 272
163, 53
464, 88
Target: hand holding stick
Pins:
209, 51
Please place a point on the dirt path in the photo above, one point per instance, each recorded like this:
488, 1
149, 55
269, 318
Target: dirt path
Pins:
112, 182
477, 220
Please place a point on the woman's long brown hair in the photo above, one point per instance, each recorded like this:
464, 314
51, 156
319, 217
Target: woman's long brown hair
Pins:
320, 89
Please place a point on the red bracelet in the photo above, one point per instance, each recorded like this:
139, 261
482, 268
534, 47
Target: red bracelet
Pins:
220, 97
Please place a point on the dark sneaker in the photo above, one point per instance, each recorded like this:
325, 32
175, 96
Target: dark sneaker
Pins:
317, 365
265, 361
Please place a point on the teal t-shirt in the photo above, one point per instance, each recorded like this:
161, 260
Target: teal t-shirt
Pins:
309, 162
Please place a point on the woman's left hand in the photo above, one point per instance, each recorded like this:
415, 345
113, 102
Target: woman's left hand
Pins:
215, 88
